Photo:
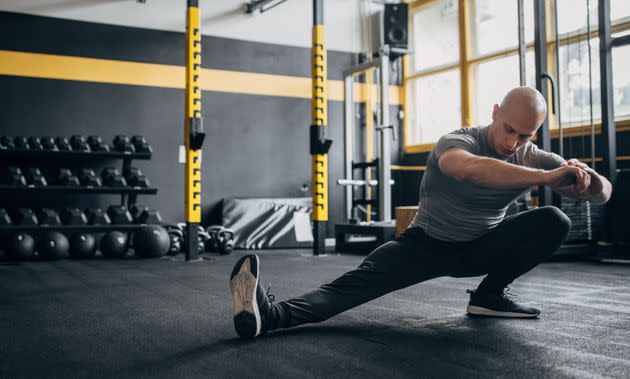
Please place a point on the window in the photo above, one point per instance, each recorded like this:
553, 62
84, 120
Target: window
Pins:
575, 84
489, 16
619, 9
621, 81
495, 78
436, 36
437, 99
572, 16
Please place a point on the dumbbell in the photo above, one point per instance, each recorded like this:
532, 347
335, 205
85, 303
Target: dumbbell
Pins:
15, 177
96, 216
73, 216
20, 142
48, 143
6, 143
65, 177
221, 239
34, 143
111, 177
63, 144
5, 219
88, 178
79, 143
146, 215
141, 145
48, 216
34, 177
123, 144
97, 144
176, 234
119, 215
25, 216
135, 178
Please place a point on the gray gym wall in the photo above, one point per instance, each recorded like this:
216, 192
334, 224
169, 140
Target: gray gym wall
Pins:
256, 146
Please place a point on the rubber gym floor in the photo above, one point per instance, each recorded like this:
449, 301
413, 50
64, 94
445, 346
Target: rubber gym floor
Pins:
165, 318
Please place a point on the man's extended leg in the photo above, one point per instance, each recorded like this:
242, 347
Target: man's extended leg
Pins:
517, 245
408, 260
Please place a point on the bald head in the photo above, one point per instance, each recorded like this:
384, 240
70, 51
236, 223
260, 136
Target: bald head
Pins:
516, 120
525, 102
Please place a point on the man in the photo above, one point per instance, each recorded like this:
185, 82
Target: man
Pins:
460, 229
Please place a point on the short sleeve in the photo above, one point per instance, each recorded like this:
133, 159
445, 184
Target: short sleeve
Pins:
456, 139
538, 158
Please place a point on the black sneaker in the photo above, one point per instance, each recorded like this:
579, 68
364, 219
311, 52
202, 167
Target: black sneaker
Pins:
499, 305
253, 313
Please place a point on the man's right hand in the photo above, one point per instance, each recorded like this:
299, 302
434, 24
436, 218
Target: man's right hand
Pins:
569, 175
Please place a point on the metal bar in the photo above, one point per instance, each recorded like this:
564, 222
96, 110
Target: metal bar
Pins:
385, 137
361, 67
590, 83
609, 142
540, 48
521, 44
348, 112
621, 41
559, 110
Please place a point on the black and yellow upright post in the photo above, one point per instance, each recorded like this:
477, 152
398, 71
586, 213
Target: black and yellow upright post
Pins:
193, 131
319, 145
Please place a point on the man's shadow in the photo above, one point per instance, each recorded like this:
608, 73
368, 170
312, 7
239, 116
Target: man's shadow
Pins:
456, 346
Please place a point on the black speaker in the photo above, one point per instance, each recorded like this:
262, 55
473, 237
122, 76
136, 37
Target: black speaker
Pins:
395, 23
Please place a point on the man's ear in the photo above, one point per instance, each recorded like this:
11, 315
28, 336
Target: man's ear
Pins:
495, 110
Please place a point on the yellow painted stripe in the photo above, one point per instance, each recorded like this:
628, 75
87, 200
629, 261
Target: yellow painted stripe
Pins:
408, 168
49, 66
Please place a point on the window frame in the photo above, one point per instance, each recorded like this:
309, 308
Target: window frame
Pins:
467, 64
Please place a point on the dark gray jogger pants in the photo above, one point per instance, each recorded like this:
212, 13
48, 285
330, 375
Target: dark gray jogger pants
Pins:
513, 248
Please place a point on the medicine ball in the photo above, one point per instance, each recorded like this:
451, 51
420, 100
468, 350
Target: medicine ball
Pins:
20, 246
53, 245
82, 245
114, 244
151, 242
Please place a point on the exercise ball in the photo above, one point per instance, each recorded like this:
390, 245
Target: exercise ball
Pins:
114, 244
53, 245
151, 242
82, 245
20, 246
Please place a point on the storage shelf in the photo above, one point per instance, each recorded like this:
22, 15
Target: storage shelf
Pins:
89, 190
52, 154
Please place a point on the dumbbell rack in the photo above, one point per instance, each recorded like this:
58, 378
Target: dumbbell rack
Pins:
128, 194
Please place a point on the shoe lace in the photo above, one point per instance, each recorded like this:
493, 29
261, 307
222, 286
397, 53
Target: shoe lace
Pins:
270, 297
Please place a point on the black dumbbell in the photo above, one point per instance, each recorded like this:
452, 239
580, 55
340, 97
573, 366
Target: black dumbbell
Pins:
20, 142
63, 144
48, 216
65, 177
5, 219
221, 239
25, 216
73, 216
149, 216
15, 177
88, 178
135, 178
123, 144
176, 234
97, 144
34, 143
119, 215
111, 177
6, 143
96, 216
48, 143
141, 145
34, 177
79, 143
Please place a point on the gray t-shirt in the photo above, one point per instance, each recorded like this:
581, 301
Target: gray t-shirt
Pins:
455, 211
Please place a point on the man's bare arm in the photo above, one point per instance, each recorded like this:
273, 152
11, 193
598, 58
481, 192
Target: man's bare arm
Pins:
493, 173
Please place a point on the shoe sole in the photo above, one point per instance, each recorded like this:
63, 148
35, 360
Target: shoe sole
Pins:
243, 285
481, 311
